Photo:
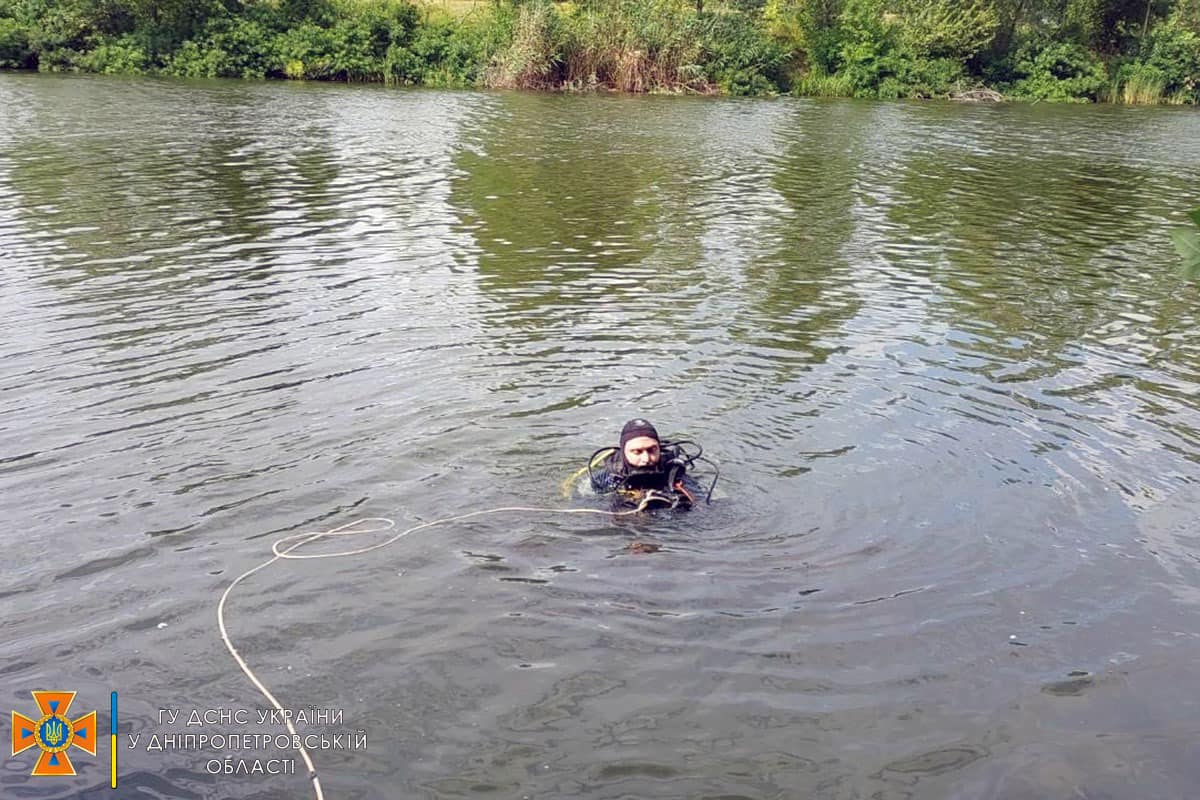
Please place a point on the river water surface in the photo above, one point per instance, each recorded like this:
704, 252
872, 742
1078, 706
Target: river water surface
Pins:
942, 354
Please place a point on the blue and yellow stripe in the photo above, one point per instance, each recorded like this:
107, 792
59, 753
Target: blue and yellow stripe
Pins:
114, 739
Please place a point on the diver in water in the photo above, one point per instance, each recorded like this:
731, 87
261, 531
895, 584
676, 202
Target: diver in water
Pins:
644, 471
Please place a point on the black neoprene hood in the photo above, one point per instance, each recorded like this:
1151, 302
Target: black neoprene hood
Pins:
635, 428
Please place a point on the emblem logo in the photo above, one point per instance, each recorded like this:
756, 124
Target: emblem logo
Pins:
54, 733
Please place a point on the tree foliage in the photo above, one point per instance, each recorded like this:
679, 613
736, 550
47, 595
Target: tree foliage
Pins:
947, 28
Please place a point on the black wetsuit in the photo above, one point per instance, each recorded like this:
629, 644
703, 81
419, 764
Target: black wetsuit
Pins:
630, 483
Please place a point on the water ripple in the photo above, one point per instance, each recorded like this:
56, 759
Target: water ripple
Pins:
941, 353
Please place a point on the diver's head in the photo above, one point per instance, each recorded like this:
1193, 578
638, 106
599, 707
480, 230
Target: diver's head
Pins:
640, 446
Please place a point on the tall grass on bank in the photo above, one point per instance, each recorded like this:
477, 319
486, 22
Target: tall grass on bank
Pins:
1144, 89
881, 49
631, 46
638, 46
533, 58
1138, 84
821, 84
634, 47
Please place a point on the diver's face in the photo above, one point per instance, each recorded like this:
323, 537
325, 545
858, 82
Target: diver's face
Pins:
642, 452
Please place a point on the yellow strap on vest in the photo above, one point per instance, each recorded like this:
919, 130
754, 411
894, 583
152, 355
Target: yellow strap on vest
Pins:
569, 483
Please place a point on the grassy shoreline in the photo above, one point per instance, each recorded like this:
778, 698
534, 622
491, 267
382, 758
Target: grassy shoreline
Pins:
886, 49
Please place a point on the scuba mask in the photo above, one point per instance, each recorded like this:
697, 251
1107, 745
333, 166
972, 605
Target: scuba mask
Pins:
660, 485
646, 478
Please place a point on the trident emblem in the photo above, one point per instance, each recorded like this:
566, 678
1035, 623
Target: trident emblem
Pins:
53, 730
54, 733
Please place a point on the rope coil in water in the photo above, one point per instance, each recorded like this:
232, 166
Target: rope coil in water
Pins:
285, 547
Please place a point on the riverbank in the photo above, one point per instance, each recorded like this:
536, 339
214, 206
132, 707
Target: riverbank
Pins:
825, 48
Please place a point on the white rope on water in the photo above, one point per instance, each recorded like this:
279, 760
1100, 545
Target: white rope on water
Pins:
283, 549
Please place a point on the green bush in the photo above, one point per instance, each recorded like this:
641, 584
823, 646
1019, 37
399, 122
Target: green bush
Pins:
1062, 71
366, 42
864, 48
807, 30
920, 78
228, 47
15, 52
59, 59
348, 51
1187, 15
749, 8
1174, 50
369, 43
164, 25
306, 51
867, 45
953, 29
59, 27
883, 55
122, 56
1166, 69
739, 57
450, 54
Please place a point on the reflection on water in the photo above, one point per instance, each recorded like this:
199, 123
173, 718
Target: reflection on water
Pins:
941, 352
